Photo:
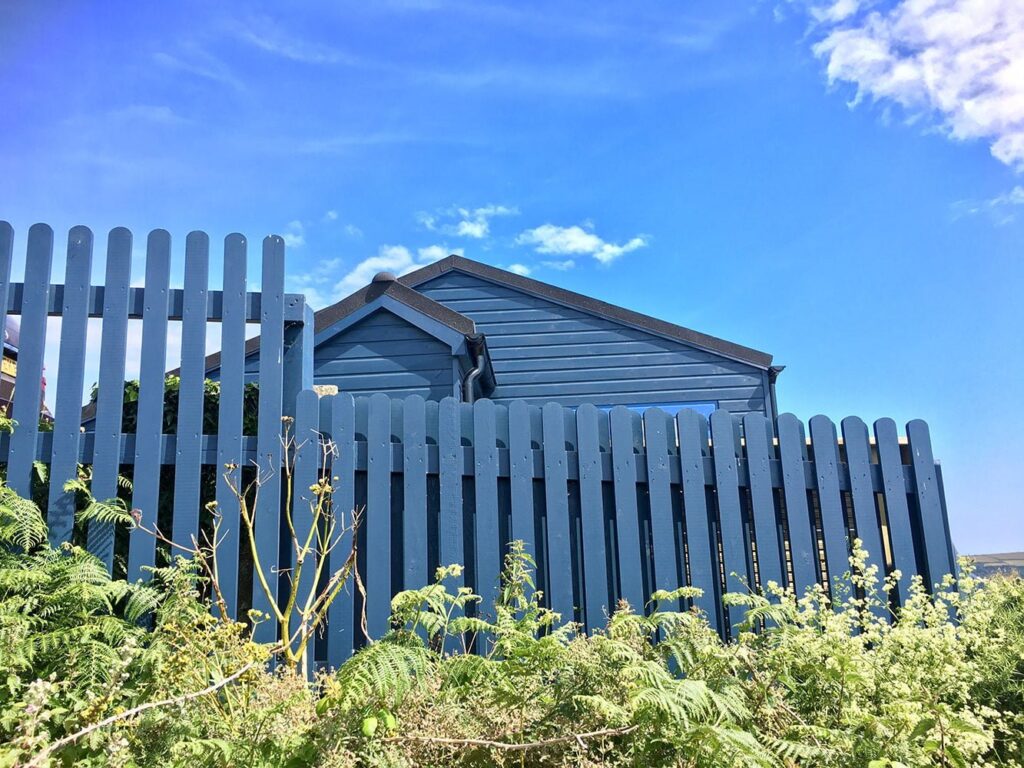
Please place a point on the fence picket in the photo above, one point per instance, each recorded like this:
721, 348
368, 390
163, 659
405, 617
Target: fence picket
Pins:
269, 448
306, 475
150, 419
931, 520
230, 413
865, 513
378, 515
725, 449
341, 614
701, 546
67, 428
559, 551
110, 388
596, 600
657, 428
897, 513
833, 520
487, 559
414, 510
191, 389
624, 434
757, 435
803, 551
450, 525
27, 398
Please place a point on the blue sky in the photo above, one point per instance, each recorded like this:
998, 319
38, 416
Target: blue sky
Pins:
838, 184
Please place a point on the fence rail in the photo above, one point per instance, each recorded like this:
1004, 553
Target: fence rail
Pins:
613, 505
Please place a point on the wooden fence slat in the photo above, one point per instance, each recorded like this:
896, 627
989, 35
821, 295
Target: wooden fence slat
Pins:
702, 549
6, 258
833, 519
725, 449
450, 525
110, 389
414, 511
307, 474
757, 435
269, 447
657, 428
32, 349
865, 512
624, 428
60, 516
341, 614
897, 513
802, 548
191, 389
521, 481
378, 516
230, 412
559, 549
486, 529
149, 422
933, 524
596, 600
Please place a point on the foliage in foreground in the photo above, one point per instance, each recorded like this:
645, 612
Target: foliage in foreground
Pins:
827, 683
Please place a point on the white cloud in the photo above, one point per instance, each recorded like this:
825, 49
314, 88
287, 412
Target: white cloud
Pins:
437, 252
520, 269
562, 266
1002, 208
959, 63
267, 35
295, 237
331, 216
464, 222
353, 231
565, 241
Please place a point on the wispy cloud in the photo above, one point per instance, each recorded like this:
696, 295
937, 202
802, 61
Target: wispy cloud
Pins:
158, 114
331, 215
195, 61
295, 237
959, 64
390, 258
464, 222
268, 35
564, 241
353, 231
561, 266
1003, 209
520, 269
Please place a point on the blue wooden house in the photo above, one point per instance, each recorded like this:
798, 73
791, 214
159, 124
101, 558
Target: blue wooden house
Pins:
461, 328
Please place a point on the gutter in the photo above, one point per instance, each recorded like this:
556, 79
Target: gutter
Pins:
478, 348
773, 374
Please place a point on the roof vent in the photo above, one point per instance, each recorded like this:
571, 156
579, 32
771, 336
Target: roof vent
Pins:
384, 277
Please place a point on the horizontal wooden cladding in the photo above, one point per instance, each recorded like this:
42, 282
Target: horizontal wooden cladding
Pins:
656, 388
705, 363
693, 375
330, 365
294, 303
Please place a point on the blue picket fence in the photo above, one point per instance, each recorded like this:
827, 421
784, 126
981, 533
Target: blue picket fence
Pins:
613, 505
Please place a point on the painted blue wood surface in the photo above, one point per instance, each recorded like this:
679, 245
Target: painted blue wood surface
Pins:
757, 435
341, 614
60, 514
110, 395
308, 455
802, 547
414, 509
450, 523
486, 526
6, 259
830, 503
543, 351
625, 430
597, 602
865, 513
559, 549
725, 441
269, 447
701, 545
931, 518
191, 389
378, 515
658, 427
230, 413
149, 422
35, 300
897, 513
